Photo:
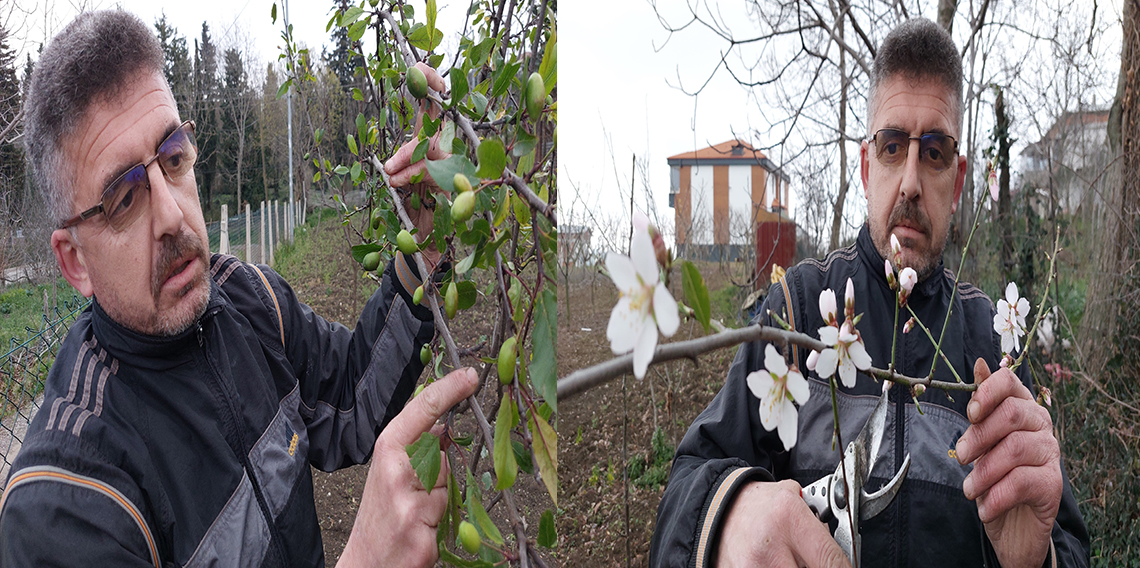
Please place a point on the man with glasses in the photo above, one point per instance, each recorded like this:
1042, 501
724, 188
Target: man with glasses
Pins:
185, 407
985, 485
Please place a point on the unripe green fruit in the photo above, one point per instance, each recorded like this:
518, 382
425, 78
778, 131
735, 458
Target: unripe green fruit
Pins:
425, 354
463, 207
469, 537
406, 243
417, 83
415, 201
377, 219
418, 295
451, 300
507, 354
535, 96
371, 260
461, 183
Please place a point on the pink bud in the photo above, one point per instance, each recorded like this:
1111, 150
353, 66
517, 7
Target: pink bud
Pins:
909, 325
812, 358
919, 389
907, 279
896, 249
849, 300
890, 271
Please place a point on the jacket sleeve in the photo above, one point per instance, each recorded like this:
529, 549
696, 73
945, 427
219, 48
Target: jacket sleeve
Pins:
352, 383
725, 448
52, 517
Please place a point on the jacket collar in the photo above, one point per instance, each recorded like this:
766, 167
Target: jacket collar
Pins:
119, 340
927, 287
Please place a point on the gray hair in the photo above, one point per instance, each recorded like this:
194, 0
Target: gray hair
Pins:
94, 59
919, 49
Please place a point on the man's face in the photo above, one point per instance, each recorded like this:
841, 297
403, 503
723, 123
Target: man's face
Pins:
150, 276
910, 199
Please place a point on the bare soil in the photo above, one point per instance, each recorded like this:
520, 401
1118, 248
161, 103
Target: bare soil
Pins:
606, 518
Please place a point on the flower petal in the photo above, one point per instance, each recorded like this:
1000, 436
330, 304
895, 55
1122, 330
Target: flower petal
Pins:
643, 258
859, 356
770, 409
665, 310
846, 372
760, 383
813, 357
797, 386
774, 362
624, 327
1011, 293
1006, 342
825, 366
788, 424
643, 351
622, 272
829, 334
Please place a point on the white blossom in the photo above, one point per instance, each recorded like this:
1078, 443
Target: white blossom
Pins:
847, 352
777, 387
645, 304
1009, 321
907, 279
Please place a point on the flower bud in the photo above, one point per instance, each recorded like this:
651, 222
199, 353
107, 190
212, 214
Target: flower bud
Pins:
896, 249
849, 300
909, 325
918, 390
813, 357
907, 279
890, 272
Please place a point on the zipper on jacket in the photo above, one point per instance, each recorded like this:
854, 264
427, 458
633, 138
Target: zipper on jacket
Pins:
275, 540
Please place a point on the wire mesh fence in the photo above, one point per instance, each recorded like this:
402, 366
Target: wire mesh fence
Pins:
23, 370
250, 235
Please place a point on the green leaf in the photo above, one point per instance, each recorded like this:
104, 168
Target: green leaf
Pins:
696, 294
506, 469
273, 13
284, 88
447, 134
431, 22
355, 172
544, 339
546, 535
430, 126
443, 171
492, 158
467, 294
522, 209
478, 514
357, 30
352, 145
317, 135
425, 458
524, 144
421, 151
341, 170
502, 200
464, 265
480, 101
545, 453
350, 15
522, 457
549, 66
357, 94
441, 222
459, 86
502, 81
358, 251
449, 557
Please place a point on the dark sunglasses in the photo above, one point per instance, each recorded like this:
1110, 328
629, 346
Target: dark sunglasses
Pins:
936, 151
129, 194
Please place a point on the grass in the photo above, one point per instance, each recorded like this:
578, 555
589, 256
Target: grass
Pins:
22, 309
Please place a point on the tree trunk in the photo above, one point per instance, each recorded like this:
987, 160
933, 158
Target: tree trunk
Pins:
1005, 218
946, 9
841, 195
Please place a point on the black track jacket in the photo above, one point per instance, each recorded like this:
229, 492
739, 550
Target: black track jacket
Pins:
930, 523
194, 450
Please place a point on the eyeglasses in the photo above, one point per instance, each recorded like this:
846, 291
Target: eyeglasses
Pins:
936, 151
125, 198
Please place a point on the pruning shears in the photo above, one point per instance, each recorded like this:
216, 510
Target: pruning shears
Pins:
829, 496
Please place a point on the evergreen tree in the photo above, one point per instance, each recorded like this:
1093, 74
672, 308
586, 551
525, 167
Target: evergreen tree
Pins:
339, 60
177, 66
11, 153
207, 116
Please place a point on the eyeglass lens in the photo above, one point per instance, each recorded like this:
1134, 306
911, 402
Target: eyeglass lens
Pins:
128, 195
936, 151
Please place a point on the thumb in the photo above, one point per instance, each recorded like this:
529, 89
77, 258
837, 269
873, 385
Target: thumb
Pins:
981, 371
423, 410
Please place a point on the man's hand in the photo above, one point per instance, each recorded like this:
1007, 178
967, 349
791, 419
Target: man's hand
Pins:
397, 520
769, 524
401, 170
1017, 467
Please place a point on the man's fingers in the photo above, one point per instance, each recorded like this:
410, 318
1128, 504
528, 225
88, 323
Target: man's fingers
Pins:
423, 410
1019, 449
981, 371
813, 546
992, 392
1022, 486
400, 168
1011, 415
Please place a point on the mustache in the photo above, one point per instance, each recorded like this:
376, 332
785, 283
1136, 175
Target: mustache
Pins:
175, 249
909, 212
